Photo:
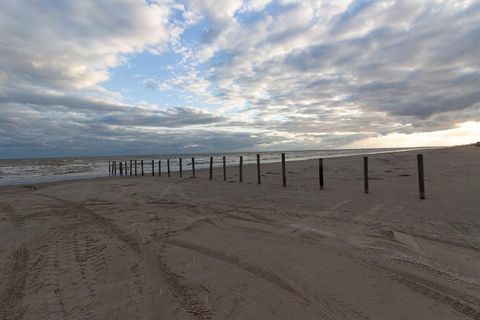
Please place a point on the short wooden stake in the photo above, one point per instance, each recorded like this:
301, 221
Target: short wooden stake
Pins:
126, 169
284, 176
121, 169
320, 172
159, 168
141, 164
135, 167
130, 167
365, 174
259, 175
180, 166
224, 169
109, 169
153, 168
211, 168
241, 169
168, 167
421, 179
193, 167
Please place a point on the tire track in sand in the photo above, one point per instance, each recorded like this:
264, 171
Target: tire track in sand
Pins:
12, 215
326, 308
16, 269
185, 297
458, 300
17, 273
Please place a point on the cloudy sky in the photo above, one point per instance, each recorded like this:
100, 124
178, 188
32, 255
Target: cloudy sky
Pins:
99, 77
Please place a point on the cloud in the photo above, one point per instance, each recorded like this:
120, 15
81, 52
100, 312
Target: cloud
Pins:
73, 44
404, 64
256, 73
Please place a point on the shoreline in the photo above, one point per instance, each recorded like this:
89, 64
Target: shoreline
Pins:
229, 165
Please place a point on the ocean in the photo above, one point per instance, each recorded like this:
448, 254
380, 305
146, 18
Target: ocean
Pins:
29, 171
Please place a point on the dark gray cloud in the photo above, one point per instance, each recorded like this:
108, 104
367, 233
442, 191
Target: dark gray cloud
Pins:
95, 112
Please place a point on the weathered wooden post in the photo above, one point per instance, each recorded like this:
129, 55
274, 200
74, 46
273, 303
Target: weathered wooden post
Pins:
320, 172
240, 168
365, 174
224, 169
284, 176
159, 168
130, 167
115, 162
180, 166
109, 169
126, 169
153, 168
141, 164
193, 167
121, 168
421, 180
259, 175
211, 168
168, 167
135, 167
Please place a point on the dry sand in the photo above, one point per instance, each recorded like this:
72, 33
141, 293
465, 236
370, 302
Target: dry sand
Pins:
183, 248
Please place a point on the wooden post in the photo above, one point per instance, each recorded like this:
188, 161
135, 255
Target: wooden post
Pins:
284, 176
421, 180
153, 168
130, 167
141, 164
320, 172
113, 168
211, 168
168, 167
135, 167
241, 169
109, 169
365, 174
193, 167
259, 176
159, 168
224, 169
180, 166
121, 168
126, 168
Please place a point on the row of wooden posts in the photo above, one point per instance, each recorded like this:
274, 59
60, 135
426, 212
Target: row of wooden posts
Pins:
124, 170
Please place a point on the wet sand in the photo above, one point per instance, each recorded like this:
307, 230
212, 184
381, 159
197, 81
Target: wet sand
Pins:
184, 248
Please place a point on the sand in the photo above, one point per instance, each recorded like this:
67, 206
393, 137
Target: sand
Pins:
184, 248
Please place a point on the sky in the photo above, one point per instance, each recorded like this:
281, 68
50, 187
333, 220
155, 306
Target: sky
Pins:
102, 77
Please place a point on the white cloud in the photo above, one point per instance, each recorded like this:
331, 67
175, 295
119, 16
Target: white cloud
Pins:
73, 44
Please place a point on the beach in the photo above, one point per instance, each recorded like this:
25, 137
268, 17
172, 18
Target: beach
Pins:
190, 248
